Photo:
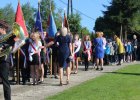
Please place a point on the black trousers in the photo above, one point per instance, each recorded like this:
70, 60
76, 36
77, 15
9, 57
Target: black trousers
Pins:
120, 57
4, 76
135, 54
86, 61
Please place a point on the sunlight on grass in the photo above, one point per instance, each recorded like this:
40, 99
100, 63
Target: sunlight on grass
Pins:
120, 85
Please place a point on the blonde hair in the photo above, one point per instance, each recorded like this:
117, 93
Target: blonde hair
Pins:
64, 31
36, 34
99, 34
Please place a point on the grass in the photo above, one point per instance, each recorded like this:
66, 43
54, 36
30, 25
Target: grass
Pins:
123, 84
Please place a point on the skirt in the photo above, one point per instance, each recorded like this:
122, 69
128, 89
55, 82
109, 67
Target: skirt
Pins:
35, 60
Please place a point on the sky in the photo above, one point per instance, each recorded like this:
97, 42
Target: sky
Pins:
91, 8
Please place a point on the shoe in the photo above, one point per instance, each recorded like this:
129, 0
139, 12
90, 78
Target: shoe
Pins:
118, 64
61, 84
67, 82
101, 68
75, 72
56, 77
97, 68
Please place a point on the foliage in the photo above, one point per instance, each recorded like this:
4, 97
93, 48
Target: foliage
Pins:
29, 15
7, 13
120, 13
74, 23
45, 8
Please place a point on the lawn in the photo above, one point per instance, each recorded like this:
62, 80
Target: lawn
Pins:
123, 84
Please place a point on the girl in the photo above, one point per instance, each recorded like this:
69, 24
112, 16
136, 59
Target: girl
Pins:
87, 51
77, 46
34, 56
129, 51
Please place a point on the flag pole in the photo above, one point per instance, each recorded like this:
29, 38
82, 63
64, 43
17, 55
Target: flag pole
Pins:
51, 49
18, 58
17, 71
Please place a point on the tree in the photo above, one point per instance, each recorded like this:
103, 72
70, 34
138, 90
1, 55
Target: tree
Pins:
119, 16
29, 15
45, 10
7, 13
74, 23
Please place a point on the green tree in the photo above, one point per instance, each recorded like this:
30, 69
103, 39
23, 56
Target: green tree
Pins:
29, 15
74, 23
7, 13
45, 10
119, 17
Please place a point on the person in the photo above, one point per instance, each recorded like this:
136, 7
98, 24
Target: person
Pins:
4, 60
129, 51
77, 46
115, 57
87, 51
65, 53
111, 52
120, 49
34, 56
104, 40
135, 46
99, 50
43, 61
107, 53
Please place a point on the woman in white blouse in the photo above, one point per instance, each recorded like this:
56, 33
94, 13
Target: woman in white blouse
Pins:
77, 46
34, 56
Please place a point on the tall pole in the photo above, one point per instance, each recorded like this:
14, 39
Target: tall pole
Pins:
71, 7
68, 8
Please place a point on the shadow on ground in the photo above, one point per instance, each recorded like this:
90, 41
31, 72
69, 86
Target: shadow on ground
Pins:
126, 73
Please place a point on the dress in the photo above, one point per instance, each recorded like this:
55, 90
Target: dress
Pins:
63, 49
77, 46
99, 50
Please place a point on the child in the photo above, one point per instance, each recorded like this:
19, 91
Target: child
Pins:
77, 46
34, 56
87, 51
129, 51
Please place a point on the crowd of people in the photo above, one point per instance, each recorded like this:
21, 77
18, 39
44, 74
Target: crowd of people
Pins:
67, 49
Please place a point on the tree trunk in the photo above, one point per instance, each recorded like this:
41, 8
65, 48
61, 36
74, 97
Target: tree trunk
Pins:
121, 32
125, 33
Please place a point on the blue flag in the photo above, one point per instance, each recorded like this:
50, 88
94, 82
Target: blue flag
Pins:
38, 24
52, 26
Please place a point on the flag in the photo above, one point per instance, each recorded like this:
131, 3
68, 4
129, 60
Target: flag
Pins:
65, 22
19, 19
52, 26
38, 24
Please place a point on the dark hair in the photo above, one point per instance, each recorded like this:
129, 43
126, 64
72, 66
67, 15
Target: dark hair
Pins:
4, 24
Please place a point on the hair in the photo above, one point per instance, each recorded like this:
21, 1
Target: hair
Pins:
88, 37
4, 24
115, 36
77, 36
99, 34
36, 34
64, 31
134, 36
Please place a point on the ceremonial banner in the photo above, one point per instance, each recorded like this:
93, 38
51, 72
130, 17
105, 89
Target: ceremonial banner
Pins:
52, 26
38, 24
19, 19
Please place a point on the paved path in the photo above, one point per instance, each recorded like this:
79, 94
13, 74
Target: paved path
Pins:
50, 86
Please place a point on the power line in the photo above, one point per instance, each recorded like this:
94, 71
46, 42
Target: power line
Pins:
78, 11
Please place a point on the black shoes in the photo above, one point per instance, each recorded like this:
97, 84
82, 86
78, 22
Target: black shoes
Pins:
100, 69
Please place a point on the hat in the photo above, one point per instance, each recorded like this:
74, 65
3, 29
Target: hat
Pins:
4, 24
